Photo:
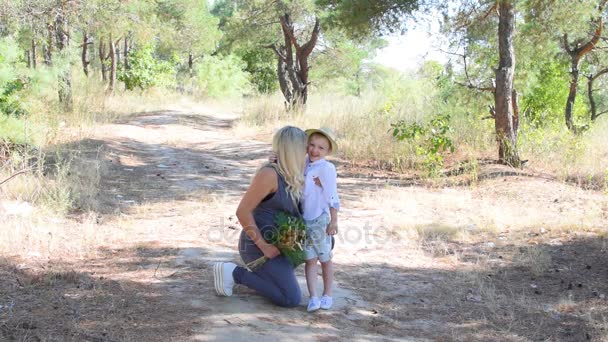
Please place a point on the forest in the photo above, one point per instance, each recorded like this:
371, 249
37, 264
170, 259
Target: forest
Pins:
120, 118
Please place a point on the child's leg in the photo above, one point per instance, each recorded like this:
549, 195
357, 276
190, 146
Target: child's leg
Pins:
328, 277
310, 269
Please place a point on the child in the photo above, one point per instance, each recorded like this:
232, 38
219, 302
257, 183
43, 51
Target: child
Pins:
320, 205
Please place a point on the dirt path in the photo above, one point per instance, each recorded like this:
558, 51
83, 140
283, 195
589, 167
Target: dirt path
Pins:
501, 260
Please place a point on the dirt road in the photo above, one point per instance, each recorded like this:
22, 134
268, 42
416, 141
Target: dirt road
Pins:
412, 263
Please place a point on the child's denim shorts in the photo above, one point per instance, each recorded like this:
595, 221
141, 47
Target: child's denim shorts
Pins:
318, 243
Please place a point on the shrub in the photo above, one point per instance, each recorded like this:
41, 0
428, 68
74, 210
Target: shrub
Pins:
222, 76
145, 70
432, 139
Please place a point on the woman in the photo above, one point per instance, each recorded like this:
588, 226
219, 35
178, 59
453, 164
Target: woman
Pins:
275, 187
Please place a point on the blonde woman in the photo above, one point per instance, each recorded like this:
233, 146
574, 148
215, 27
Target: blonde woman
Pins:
275, 187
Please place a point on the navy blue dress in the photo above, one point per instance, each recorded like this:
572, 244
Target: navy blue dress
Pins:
275, 279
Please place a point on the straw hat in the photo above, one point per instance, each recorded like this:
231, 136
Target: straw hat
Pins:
326, 132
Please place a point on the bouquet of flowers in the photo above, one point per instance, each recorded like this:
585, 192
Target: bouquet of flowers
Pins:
289, 238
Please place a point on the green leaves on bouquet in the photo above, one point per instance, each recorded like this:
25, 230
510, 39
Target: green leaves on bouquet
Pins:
289, 237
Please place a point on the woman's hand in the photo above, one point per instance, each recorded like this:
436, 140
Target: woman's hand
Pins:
270, 251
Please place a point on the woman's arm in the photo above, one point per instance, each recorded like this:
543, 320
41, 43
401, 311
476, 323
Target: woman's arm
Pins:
264, 183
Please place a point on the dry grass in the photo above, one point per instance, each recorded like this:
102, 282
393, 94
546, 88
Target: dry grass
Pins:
580, 159
57, 180
63, 171
363, 129
359, 123
534, 258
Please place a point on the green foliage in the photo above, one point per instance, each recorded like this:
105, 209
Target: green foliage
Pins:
9, 99
364, 17
545, 98
190, 27
12, 78
145, 70
432, 139
13, 129
289, 237
222, 76
344, 65
261, 65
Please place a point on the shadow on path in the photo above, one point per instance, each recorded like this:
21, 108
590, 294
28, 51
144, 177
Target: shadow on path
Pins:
156, 293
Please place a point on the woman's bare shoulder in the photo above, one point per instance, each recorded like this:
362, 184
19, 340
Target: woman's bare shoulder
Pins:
266, 177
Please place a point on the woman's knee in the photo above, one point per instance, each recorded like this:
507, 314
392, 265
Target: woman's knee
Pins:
291, 298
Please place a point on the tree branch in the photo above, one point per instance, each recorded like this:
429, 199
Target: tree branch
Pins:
602, 113
16, 174
494, 8
310, 45
276, 50
288, 30
472, 86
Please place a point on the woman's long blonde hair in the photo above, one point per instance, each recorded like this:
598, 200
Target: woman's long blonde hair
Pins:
289, 143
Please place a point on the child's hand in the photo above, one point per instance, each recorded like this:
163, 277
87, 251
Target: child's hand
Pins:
332, 228
318, 182
272, 157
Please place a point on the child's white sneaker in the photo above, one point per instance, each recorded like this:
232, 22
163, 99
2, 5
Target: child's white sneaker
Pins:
326, 302
313, 304
222, 277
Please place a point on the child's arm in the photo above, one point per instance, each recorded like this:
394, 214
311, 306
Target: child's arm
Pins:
272, 157
332, 228
328, 178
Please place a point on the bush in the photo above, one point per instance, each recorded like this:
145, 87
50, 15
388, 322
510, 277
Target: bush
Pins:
261, 65
12, 78
13, 130
432, 139
145, 70
222, 76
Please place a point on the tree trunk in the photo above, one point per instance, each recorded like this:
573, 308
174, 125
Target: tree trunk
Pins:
515, 101
112, 54
34, 54
126, 53
117, 51
593, 105
28, 58
576, 54
85, 53
65, 78
102, 60
48, 52
590, 96
293, 74
572, 93
506, 134
284, 82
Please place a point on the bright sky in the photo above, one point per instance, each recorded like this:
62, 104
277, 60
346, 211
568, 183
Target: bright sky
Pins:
409, 51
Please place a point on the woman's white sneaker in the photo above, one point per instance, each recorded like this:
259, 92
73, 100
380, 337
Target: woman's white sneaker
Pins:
222, 278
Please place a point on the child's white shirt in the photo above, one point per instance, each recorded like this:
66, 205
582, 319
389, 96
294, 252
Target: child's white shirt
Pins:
315, 199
